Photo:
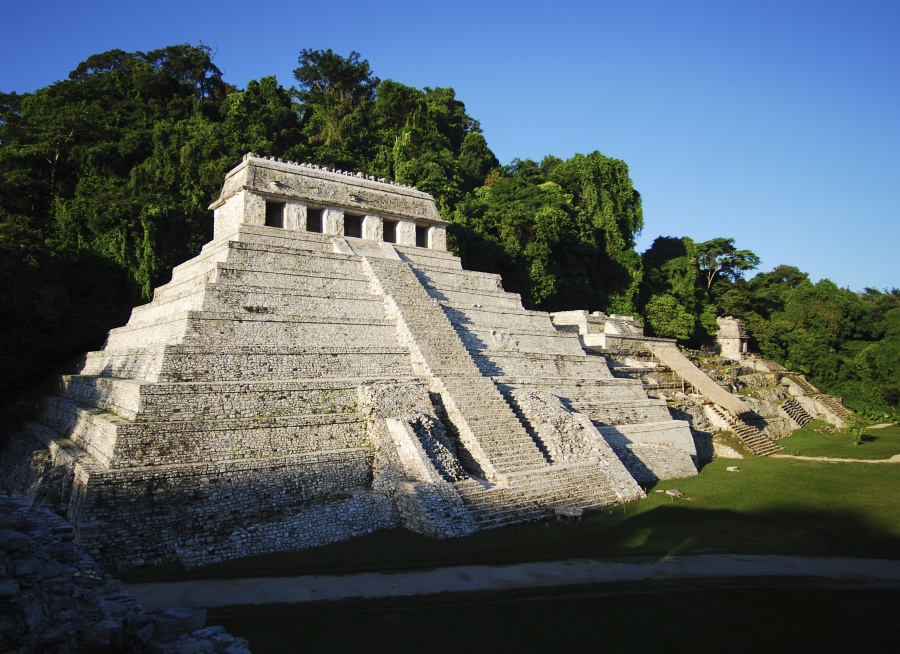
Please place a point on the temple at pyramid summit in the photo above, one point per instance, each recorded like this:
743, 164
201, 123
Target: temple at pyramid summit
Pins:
324, 368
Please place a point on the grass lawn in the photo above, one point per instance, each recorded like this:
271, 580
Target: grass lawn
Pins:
742, 616
770, 506
876, 443
773, 506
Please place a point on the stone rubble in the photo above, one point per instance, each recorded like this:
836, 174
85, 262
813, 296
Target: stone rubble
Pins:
55, 598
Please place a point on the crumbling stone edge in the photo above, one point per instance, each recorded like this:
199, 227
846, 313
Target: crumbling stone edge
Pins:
55, 598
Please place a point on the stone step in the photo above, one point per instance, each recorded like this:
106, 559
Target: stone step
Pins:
296, 239
800, 381
795, 411
223, 328
755, 440
265, 363
536, 364
459, 299
142, 401
431, 258
532, 495
116, 443
835, 404
312, 281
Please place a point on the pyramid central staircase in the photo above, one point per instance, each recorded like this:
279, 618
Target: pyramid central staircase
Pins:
517, 481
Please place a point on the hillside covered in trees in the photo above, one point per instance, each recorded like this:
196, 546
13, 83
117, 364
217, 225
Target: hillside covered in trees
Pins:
105, 179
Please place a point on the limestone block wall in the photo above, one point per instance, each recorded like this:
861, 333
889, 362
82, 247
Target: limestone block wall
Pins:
116, 443
500, 318
230, 216
654, 451
313, 526
434, 509
428, 258
487, 340
437, 280
192, 401
649, 464
129, 363
236, 363
534, 364
147, 513
333, 221
351, 305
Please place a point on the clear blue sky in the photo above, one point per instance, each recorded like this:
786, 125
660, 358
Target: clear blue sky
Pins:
776, 123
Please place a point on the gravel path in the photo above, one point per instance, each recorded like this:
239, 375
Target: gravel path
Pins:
893, 459
289, 590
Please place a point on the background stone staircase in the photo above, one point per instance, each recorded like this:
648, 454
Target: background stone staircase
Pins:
835, 404
795, 411
754, 439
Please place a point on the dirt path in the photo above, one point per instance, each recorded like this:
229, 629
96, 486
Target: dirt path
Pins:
289, 590
893, 459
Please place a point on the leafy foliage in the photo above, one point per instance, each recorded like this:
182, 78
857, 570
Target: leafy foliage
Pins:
718, 257
560, 232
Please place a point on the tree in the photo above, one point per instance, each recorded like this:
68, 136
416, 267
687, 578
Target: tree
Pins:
337, 96
264, 119
609, 210
667, 318
719, 257
105, 179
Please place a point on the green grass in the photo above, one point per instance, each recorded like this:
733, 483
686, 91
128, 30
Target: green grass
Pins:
749, 391
876, 443
743, 616
776, 506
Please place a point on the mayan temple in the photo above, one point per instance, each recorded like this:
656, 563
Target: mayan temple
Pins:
325, 368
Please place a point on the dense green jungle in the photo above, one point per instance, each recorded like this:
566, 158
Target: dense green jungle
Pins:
105, 180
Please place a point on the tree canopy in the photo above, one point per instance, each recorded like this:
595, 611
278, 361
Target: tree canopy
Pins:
719, 257
105, 179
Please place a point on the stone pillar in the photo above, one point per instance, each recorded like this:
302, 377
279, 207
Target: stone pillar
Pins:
406, 232
437, 238
333, 222
254, 210
294, 215
373, 228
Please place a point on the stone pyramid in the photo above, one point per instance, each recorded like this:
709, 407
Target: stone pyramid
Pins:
325, 368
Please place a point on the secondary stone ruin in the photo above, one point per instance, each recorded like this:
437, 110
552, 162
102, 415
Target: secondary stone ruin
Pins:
325, 368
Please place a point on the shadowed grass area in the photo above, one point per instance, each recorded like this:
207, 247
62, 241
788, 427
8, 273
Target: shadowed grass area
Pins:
772, 506
738, 616
875, 443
